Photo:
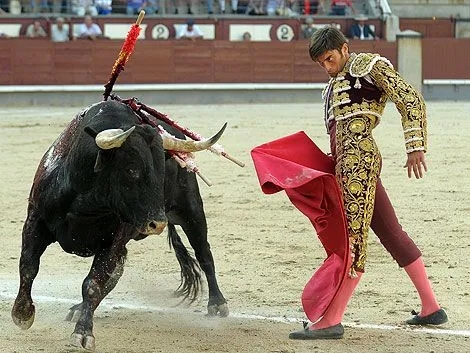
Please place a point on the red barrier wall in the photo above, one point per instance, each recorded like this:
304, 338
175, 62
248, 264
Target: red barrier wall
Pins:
40, 61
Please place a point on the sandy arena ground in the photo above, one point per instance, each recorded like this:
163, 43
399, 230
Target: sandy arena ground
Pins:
265, 250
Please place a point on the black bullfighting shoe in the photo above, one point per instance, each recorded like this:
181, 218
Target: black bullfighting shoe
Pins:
436, 318
328, 333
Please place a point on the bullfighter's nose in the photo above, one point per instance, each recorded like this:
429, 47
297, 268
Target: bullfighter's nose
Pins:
155, 227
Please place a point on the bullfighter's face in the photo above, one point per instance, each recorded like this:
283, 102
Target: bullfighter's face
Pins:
333, 61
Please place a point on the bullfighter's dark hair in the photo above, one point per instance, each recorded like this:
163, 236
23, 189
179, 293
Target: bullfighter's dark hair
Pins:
324, 39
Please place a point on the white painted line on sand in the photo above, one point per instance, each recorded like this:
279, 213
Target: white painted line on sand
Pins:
110, 304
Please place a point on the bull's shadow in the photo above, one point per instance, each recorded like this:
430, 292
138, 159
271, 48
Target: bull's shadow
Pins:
107, 179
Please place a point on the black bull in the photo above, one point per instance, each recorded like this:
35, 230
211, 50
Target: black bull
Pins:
93, 200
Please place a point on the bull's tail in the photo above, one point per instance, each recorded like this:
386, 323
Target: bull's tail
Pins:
191, 284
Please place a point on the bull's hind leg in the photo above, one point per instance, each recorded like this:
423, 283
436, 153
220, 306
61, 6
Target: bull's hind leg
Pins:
195, 228
34, 243
104, 274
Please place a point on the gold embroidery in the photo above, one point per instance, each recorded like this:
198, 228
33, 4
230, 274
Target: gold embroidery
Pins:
365, 106
358, 158
408, 101
340, 96
357, 168
341, 85
357, 125
362, 64
366, 145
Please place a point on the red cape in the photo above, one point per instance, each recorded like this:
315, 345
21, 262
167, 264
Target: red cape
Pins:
297, 166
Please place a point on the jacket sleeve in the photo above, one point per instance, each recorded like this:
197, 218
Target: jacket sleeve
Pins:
408, 101
352, 31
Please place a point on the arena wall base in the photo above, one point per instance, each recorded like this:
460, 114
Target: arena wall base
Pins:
448, 90
82, 96
163, 94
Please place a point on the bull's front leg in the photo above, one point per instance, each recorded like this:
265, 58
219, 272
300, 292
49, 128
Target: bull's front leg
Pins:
104, 274
76, 310
35, 240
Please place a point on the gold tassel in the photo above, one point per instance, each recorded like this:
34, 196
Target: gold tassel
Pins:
358, 83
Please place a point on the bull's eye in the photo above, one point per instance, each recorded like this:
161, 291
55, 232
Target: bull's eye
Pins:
134, 173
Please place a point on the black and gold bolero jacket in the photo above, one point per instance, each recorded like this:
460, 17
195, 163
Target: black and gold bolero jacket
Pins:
363, 87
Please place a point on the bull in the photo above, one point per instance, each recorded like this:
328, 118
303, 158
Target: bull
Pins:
106, 180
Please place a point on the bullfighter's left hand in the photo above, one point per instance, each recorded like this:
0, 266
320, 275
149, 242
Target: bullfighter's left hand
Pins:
416, 163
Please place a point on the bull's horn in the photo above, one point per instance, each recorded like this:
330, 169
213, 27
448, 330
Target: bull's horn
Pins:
175, 144
112, 138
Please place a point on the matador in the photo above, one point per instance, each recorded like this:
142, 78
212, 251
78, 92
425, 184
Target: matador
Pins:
354, 101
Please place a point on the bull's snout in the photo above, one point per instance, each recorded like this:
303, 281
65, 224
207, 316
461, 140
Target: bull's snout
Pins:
155, 227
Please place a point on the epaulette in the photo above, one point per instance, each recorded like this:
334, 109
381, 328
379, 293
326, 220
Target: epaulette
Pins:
363, 63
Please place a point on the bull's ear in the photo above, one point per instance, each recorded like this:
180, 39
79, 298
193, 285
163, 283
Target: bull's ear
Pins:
99, 163
90, 131
149, 133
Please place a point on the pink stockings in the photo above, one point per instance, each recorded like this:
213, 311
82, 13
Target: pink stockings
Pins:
334, 313
417, 273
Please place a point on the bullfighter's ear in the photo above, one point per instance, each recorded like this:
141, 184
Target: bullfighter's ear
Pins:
90, 131
99, 164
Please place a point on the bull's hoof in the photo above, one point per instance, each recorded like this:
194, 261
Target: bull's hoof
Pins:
23, 317
218, 310
83, 341
74, 313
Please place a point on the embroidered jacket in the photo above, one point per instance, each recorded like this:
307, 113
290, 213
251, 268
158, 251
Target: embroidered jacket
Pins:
363, 87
